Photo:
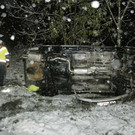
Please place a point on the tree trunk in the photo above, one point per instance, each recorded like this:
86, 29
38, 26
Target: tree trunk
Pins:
119, 25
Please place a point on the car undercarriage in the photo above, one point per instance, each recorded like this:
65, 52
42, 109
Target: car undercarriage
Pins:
94, 74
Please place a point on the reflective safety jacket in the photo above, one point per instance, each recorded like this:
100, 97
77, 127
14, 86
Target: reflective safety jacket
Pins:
4, 54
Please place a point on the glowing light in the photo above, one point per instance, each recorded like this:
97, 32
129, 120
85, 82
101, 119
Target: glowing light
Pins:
95, 4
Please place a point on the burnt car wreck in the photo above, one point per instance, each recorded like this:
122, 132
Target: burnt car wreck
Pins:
93, 73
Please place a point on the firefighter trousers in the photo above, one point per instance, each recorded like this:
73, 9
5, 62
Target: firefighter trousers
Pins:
2, 73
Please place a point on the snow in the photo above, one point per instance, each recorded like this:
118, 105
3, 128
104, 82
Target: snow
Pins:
47, 1
132, 11
64, 8
26, 16
95, 4
33, 5
123, 3
84, 8
66, 18
12, 37
28, 113
69, 20
2, 6
3, 15
1, 35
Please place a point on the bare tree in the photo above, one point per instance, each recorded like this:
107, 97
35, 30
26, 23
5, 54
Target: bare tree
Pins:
58, 22
118, 18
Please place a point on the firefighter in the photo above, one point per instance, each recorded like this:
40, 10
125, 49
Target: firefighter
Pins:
4, 62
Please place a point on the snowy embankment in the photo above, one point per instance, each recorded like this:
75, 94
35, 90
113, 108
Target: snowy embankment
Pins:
27, 113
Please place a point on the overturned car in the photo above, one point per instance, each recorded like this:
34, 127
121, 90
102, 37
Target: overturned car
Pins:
93, 73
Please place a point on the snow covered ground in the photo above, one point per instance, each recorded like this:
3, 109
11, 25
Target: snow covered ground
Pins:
27, 113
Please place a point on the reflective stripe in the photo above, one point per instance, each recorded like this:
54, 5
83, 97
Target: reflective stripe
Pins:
3, 48
7, 53
3, 61
7, 59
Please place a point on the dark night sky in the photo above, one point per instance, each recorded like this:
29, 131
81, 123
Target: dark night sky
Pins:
8, 29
